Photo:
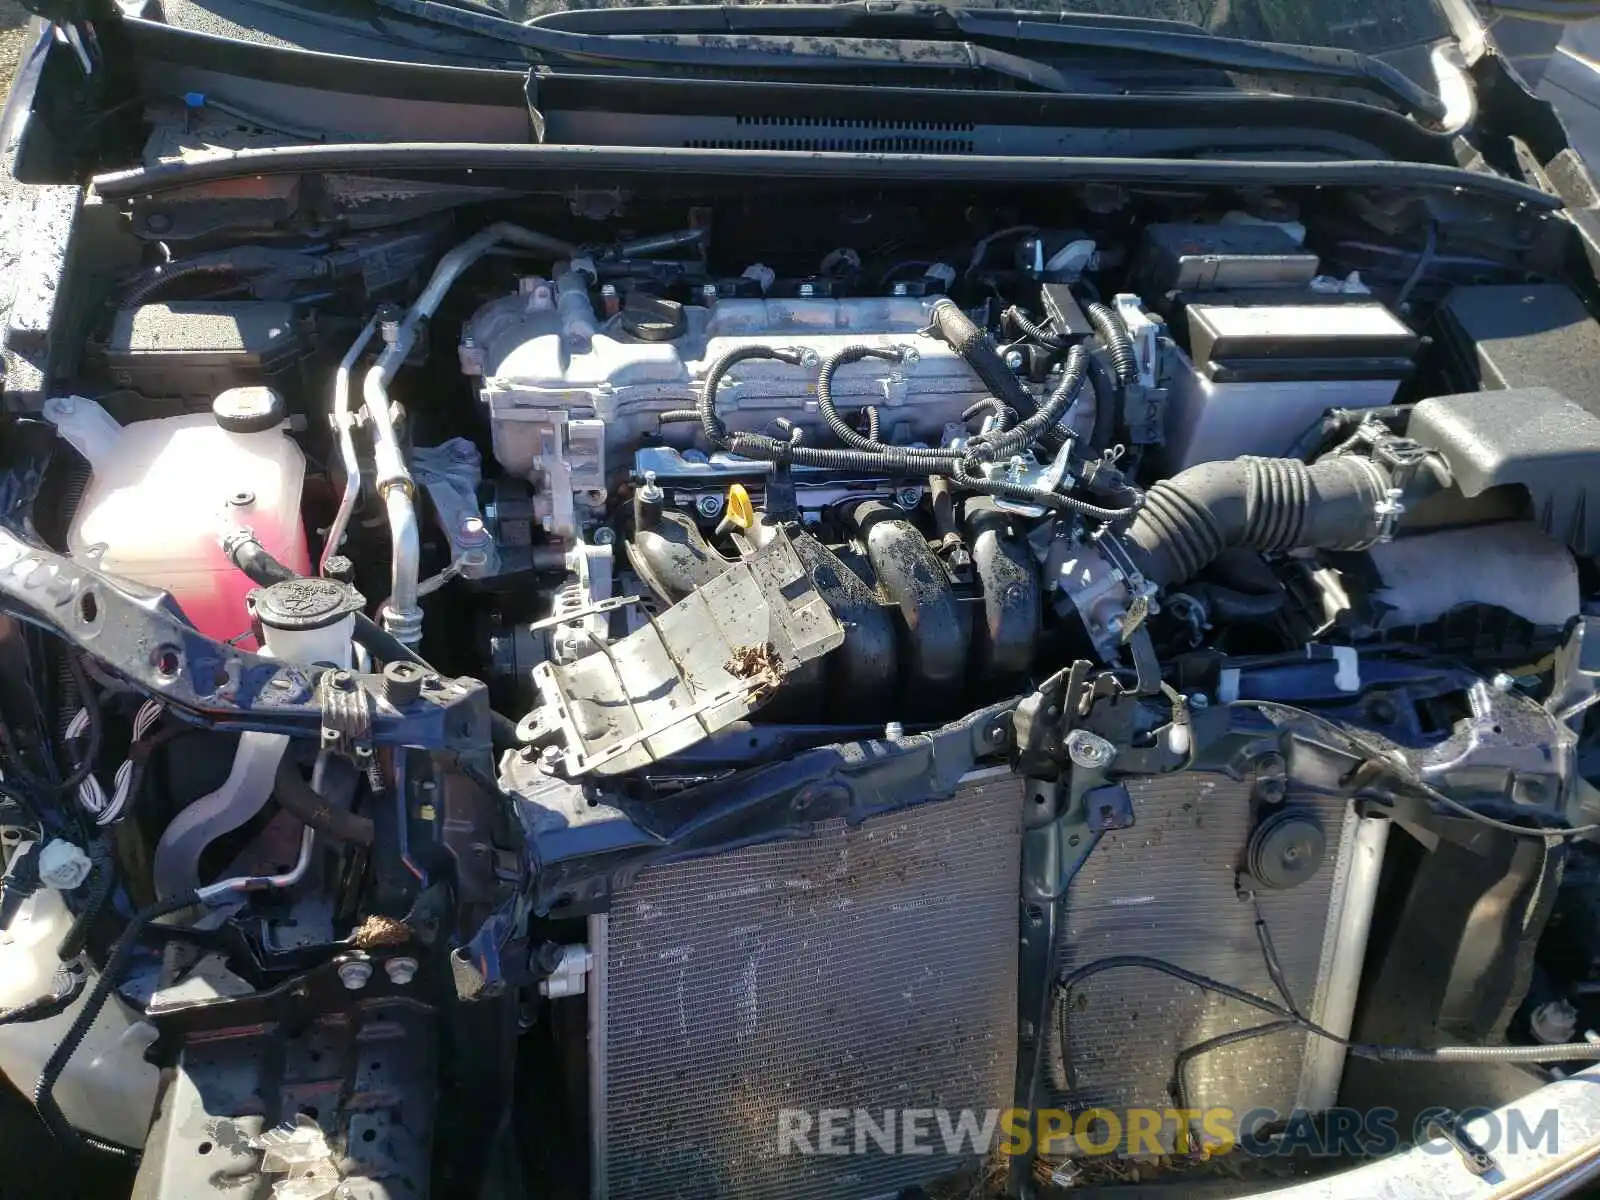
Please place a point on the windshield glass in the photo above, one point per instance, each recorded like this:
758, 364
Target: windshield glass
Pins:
1372, 26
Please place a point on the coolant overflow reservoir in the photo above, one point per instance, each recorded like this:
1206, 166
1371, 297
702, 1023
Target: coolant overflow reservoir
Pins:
161, 490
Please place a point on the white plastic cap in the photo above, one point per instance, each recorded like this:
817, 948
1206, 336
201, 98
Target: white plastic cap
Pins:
63, 866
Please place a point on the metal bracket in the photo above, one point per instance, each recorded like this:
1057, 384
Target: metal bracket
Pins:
138, 634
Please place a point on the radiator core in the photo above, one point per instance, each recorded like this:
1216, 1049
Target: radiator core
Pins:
869, 967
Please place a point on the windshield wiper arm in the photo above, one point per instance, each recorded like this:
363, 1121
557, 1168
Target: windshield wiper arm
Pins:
756, 51
836, 35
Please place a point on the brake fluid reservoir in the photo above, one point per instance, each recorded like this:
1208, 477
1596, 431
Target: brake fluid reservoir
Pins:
161, 490
106, 1088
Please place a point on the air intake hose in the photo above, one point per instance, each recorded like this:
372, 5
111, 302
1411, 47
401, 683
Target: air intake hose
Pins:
1259, 504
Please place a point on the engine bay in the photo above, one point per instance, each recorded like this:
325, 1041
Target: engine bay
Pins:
612, 676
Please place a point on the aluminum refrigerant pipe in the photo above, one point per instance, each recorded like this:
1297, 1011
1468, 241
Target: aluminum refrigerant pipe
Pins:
344, 424
402, 614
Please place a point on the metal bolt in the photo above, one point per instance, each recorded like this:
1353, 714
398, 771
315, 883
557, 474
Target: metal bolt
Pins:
401, 970
1015, 467
355, 974
901, 289
908, 497
708, 291
608, 291
808, 290
651, 492
893, 731
910, 356
1014, 360
996, 734
1503, 682
604, 536
1199, 701
473, 532
810, 359
1089, 750
709, 506
242, 499
342, 680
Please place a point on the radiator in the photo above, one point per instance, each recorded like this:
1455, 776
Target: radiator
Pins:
1165, 888
871, 967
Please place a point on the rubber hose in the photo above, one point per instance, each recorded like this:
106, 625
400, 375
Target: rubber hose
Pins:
103, 871
1340, 423
300, 800
1267, 504
841, 428
1230, 605
1117, 340
121, 952
970, 342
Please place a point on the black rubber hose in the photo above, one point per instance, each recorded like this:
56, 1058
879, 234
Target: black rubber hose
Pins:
1117, 340
103, 872
300, 800
1230, 605
121, 952
1262, 504
1339, 423
841, 428
967, 340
